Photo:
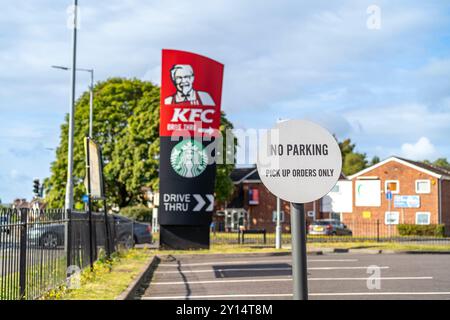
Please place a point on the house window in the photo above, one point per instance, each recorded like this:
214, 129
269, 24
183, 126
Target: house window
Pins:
422, 218
423, 186
392, 185
391, 217
274, 216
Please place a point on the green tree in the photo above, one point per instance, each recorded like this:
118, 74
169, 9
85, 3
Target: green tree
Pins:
374, 160
441, 163
224, 185
352, 161
126, 125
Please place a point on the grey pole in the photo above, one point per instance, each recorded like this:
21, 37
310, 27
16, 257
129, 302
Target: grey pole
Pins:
91, 94
278, 226
389, 210
299, 262
69, 185
91, 103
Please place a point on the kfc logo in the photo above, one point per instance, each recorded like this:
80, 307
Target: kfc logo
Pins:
191, 90
183, 79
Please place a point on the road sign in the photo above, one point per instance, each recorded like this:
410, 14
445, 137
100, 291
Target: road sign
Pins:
85, 198
299, 161
389, 195
94, 165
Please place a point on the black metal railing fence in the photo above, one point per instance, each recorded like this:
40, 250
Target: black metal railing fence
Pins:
39, 249
358, 231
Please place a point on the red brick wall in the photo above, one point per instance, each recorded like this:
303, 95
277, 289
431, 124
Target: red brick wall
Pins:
445, 204
406, 177
261, 214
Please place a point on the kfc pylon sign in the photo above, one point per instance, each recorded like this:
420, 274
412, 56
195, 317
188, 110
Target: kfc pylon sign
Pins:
191, 90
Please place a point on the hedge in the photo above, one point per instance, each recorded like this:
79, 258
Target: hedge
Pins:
433, 230
139, 213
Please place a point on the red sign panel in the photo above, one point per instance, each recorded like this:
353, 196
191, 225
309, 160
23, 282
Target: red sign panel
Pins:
191, 93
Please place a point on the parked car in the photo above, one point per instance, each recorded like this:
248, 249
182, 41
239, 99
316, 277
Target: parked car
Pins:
142, 232
46, 235
329, 227
127, 232
4, 221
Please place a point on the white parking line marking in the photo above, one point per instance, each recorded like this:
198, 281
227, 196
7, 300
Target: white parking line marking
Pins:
285, 279
262, 269
265, 295
249, 262
344, 268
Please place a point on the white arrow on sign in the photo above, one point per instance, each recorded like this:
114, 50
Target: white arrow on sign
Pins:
211, 202
201, 202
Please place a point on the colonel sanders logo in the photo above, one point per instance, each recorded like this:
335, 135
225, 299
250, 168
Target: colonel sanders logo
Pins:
183, 79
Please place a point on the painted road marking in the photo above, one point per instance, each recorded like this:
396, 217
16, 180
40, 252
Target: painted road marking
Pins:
263, 269
266, 295
286, 279
249, 262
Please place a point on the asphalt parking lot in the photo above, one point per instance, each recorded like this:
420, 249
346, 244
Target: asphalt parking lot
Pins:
331, 276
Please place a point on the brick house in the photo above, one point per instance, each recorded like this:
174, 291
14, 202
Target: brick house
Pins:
420, 194
254, 207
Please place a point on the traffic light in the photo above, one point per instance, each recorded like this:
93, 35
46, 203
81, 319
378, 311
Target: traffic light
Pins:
36, 187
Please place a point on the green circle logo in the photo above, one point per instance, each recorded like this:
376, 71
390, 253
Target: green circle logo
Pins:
188, 158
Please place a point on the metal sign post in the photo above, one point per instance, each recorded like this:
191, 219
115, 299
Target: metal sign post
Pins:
278, 226
88, 175
299, 260
389, 198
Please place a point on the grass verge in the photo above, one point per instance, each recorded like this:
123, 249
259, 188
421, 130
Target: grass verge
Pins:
107, 280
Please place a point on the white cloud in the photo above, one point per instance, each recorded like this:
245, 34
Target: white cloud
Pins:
286, 58
393, 123
421, 150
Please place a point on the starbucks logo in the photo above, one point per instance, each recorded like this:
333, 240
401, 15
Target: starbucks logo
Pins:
188, 158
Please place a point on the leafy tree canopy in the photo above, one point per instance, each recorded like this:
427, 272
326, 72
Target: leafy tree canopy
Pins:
441, 162
352, 161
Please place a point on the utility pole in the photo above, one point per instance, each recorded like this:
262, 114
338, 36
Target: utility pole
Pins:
91, 103
69, 185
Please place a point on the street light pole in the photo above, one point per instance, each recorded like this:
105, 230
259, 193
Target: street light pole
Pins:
91, 95
69, 186
91, 103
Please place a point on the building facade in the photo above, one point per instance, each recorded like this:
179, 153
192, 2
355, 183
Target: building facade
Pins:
398, 191
371, 202
253, 206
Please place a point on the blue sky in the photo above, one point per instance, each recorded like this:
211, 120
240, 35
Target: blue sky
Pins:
387, 89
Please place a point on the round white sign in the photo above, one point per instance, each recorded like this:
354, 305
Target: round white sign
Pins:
299, 161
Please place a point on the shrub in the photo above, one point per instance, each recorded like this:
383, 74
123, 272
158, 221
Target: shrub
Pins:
434, 230
139, 213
